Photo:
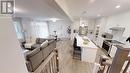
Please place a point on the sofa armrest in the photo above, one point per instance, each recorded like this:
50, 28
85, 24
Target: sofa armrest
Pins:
32, 53
29, 67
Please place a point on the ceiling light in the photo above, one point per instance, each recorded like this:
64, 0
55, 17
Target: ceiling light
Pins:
98, 15
118, 6
92, 1
54, 19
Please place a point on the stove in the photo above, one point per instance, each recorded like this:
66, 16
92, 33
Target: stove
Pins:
107, 45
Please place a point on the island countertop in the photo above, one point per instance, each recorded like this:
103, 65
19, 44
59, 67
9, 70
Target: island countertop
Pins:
88, 49
85, 42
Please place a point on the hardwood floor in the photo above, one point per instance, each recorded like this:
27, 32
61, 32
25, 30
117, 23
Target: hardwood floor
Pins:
69, 65
75, 66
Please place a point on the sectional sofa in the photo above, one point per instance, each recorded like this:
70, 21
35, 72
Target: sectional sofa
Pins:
41, 50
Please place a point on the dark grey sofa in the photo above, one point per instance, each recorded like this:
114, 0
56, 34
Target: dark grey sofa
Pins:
35, 57
39, 41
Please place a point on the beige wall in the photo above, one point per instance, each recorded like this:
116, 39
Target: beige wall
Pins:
11, 57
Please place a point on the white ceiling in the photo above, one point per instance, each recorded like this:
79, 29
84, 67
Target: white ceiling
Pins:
38, 9
46, 9
95, 7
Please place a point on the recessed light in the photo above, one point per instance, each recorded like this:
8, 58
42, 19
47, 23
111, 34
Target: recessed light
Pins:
98, 15
118, 6
92, 1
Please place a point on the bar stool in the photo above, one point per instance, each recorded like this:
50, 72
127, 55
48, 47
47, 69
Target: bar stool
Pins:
77, 50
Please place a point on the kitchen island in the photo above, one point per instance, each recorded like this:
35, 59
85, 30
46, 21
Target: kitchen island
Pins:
89, 49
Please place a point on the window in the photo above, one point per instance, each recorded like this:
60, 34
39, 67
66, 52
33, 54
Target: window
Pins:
18, 29
40, 29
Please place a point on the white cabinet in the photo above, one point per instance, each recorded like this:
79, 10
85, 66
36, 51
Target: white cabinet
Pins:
89, 50
89, 54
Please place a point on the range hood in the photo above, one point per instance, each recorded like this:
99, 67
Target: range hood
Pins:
117, 28
117, 32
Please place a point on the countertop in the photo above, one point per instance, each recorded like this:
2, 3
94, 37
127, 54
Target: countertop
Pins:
85, 42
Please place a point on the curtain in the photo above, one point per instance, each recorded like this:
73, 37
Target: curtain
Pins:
39, 29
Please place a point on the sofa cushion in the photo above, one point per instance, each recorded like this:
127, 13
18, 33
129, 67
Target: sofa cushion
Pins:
35, 46
28, 45
38, 45
40, 40
32, 53
46, 50
44, 44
